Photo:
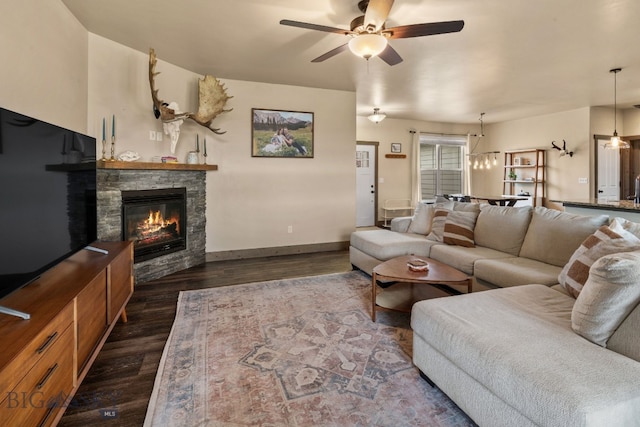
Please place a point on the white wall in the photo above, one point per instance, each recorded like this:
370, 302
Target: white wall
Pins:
631, 121
44, 64
251, 202
396, 173
538, 132
54, 70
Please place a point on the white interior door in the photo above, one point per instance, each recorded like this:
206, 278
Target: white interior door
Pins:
608, 173
365, 185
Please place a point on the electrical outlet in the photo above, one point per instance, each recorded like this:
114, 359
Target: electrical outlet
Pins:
583, 180
158, 136
152, 135
290, 229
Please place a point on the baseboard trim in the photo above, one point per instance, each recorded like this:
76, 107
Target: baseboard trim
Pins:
277, 251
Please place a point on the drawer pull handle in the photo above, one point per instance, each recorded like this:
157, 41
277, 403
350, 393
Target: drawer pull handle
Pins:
46, 377
47, 343
45, 420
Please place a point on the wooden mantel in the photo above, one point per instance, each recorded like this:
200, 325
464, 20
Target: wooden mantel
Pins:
102, 164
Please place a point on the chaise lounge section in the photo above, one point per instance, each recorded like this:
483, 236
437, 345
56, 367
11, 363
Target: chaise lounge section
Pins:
520, 356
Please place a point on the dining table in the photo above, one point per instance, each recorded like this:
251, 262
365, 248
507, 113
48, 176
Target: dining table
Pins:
500, 200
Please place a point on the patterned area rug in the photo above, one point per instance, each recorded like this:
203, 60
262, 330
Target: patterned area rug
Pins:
297, 352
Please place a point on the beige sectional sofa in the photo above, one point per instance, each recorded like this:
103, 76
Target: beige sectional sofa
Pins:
555, 341
513, 245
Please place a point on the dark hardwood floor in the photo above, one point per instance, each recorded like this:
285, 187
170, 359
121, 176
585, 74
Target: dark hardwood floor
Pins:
123, 374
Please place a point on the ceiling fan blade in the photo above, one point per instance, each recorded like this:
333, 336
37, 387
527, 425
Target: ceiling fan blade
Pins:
331, 53
428, 29
390, 56
315, 27
377, 12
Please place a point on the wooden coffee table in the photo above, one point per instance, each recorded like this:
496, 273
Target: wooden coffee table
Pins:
396, 270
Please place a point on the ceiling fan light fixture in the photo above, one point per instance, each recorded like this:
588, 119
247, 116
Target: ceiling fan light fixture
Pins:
377, 116
368, 45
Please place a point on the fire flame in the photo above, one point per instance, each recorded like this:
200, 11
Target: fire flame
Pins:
155, 222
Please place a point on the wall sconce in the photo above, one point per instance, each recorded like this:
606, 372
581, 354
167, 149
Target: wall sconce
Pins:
563, 150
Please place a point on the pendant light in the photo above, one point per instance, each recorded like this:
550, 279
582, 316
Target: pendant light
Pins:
616, 143
377, 116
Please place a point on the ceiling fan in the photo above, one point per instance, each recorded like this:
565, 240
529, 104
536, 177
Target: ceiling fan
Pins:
369, 35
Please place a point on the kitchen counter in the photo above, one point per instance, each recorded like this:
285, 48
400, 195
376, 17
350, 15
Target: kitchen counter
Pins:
623, 208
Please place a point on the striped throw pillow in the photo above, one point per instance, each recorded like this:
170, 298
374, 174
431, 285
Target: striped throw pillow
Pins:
458, 228
604, 241
437, 224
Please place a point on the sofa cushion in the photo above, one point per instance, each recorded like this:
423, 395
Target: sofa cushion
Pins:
603, 242
518, 343
514, 271
462, 258
385, 244
553, 236
400, 224
610, 293
458, 228
502, 227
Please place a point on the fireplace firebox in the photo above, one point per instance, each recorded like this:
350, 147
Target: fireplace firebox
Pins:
155, 220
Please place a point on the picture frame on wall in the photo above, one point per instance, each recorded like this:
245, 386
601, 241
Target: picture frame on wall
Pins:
281, 133
396, 147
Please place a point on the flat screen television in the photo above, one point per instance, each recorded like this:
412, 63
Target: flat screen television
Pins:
47, 197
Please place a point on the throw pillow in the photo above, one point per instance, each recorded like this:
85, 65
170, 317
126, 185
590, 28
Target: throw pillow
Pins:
421, 220
437, 225
611, 292
458, 228
604, 241
630, 226
466, 207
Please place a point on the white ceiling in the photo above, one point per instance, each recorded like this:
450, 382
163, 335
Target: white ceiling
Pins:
513, 59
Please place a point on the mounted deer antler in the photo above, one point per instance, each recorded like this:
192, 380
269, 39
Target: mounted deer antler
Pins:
212, 97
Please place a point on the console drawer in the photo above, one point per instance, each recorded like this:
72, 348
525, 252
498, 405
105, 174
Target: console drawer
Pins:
13, 373
44, 388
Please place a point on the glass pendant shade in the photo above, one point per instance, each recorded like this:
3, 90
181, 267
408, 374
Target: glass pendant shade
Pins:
368, 45
616, 143
377, 116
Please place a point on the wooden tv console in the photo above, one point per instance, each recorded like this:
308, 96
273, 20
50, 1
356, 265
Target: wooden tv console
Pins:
73, 308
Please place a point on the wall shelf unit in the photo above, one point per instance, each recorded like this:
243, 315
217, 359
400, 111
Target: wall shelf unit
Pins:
524, 172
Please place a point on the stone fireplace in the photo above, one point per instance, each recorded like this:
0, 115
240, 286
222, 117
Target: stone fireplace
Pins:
114, 183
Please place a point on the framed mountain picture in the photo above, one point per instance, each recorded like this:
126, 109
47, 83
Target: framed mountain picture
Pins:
280, 133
